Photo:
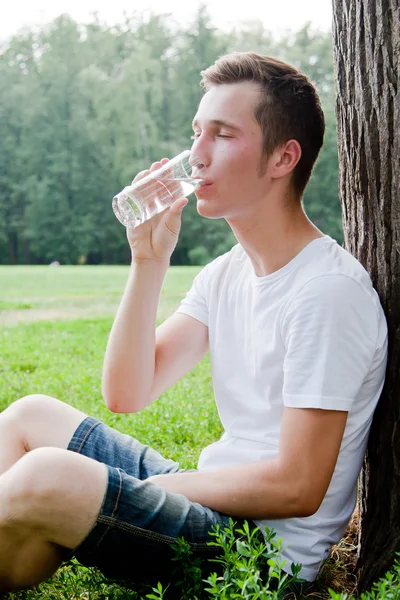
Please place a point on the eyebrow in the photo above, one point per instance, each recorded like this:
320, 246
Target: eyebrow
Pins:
220, 123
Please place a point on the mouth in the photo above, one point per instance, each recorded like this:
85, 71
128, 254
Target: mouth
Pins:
202, 182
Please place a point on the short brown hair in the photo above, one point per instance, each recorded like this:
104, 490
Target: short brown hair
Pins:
289, 109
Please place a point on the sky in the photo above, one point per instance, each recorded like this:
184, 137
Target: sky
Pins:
277, 15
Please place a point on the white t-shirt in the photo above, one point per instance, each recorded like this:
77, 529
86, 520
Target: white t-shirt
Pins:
310, 335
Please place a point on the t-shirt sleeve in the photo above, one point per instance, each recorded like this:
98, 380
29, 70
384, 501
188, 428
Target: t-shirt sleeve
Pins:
195, 302
330, 330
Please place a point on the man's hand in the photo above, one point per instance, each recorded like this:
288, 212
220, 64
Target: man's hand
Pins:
156, 238
291, 485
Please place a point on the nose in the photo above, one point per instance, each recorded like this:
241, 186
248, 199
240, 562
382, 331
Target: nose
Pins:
196, 162
199, 158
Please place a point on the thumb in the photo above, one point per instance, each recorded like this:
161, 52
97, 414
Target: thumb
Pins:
174, 216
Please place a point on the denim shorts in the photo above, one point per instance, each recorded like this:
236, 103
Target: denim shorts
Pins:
139, 521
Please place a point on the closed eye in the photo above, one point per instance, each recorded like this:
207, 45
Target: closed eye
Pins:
220, 135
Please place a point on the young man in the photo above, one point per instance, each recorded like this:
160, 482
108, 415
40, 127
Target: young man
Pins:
297, 339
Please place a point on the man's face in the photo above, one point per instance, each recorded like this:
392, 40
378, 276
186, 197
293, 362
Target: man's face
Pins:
228, 141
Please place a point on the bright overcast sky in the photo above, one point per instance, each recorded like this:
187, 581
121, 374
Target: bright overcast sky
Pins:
277, 15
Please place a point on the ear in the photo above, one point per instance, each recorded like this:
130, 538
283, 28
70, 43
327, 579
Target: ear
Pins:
285, 158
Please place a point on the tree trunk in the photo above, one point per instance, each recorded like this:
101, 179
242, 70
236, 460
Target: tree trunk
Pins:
367, 50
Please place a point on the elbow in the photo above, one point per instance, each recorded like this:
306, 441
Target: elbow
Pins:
120, 402
305, 503
122, 406
118, 407
306, 509
301, 499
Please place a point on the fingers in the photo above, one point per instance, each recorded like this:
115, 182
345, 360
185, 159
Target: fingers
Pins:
156, 165
173, 218
178, 206
140, 175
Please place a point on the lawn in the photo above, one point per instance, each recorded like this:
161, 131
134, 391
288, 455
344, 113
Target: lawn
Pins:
42, 292
63, 358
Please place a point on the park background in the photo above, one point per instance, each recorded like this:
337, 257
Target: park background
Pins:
84, 107
86, 103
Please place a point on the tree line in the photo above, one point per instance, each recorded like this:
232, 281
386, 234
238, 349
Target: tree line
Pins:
84, 108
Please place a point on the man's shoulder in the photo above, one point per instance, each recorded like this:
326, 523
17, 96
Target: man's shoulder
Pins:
335, 287
332, 264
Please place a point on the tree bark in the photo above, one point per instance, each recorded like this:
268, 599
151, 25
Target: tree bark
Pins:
367, 60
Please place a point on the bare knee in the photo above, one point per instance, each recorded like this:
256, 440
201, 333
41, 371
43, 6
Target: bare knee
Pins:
12, 435
44, 421
32, 486
27, 407
56, 493
21, 415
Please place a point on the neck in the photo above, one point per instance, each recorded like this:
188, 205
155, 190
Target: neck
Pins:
274, 234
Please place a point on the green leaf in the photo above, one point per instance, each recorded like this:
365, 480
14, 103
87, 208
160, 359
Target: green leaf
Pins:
242, 548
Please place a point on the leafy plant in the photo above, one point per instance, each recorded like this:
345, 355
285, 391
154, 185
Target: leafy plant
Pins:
253, 567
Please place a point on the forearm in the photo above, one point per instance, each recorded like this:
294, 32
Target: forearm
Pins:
129, 363
252, 491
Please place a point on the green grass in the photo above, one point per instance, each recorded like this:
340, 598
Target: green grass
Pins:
63, 358
6, 305
85, 291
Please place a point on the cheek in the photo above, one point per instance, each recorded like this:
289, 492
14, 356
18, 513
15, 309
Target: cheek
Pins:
233, 153
243, 171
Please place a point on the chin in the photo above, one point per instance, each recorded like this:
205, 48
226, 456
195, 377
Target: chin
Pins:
208, 210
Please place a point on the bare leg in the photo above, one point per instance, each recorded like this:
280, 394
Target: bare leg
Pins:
33, 422
49, 499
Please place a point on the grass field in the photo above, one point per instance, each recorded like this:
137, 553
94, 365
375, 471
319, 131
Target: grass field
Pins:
54, 325
40, 292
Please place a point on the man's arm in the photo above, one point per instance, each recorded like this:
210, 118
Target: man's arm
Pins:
291, 485
141, 363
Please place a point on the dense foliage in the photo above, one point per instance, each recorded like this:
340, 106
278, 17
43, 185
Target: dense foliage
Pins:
84, 108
